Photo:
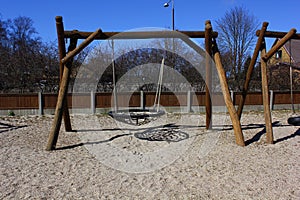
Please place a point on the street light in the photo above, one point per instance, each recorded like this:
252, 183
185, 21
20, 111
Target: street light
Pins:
173, 26
173, 11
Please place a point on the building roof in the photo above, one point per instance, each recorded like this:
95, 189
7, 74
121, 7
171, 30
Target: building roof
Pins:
293, 49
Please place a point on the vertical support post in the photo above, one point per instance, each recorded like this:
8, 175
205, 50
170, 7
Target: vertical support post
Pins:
41, 103
189, 101
251, 67
265, 94
63, 89
142, 100
62, 54
239, 138
208, 79
93, 102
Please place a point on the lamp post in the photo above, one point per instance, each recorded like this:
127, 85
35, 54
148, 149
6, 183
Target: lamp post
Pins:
173, 12
173, 28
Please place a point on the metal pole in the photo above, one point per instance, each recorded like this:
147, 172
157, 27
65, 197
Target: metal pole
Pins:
93, 102
271, 99
142, 101
40, 97
173, 28
173, 16
114, 77
189, 101
291, 78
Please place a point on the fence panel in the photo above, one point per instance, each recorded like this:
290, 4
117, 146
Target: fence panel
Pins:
104, 100
49, 100
253, 98
19, 101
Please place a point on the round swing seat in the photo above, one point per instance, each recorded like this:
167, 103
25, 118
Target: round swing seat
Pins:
295, 121
129, 115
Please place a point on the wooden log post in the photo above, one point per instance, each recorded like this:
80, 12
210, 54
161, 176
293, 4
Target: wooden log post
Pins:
265, 94
208, 76
54, 132
62, 54
265, 88
239, 138
251, 67
53, 136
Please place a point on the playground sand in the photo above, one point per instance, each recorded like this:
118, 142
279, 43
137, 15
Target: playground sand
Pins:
200, 168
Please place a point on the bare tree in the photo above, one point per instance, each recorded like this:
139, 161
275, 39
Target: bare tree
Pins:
49, 63
236, 39
179, 47
4, 53
3, 33
24, 65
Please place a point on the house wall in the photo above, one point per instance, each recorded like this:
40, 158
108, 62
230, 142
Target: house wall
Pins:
285, 57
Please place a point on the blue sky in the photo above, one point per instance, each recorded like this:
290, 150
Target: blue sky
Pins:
118, 15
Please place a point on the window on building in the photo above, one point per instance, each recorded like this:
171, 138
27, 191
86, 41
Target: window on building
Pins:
278, 54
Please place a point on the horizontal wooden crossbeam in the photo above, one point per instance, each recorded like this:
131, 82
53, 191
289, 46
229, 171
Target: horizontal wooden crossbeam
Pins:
137, 35
277, 34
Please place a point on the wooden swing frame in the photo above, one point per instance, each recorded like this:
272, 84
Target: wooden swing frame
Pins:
265, 56
61, 111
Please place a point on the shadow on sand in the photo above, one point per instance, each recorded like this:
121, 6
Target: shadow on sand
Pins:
8, 127
171, 133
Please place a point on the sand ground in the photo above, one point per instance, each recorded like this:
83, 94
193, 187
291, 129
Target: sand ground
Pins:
172, 158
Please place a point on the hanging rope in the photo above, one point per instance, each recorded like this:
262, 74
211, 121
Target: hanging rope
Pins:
114, 76
159, 85
291, 77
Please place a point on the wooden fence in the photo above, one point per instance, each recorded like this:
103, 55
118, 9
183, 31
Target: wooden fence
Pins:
137, 99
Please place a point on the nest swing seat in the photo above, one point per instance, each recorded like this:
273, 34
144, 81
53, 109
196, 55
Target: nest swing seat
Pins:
135, 114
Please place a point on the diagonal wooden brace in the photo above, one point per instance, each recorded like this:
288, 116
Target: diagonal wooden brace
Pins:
239, 137
78, 49
279, 44
251, 67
